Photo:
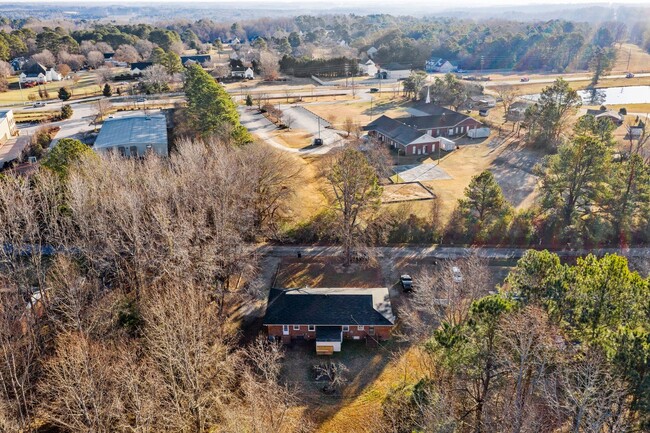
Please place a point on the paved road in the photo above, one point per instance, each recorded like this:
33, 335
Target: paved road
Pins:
439, 252
567, 77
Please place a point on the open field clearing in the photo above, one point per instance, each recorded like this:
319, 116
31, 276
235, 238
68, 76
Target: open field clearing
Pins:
631, 58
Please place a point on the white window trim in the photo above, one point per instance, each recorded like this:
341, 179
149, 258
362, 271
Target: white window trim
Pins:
346, 328
296, 327
360, 328
311, 327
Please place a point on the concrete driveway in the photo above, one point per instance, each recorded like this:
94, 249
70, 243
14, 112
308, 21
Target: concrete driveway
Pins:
420, 173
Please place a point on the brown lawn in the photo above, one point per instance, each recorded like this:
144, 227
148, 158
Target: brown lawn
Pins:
327, 272
404, 192
360, 111
639, 60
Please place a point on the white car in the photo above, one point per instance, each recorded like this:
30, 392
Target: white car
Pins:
456, 274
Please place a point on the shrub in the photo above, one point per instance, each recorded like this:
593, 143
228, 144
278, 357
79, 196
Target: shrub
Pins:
107, 90
66, 112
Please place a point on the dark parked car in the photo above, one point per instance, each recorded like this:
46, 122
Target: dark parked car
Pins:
374, 90
318, 141
407, 283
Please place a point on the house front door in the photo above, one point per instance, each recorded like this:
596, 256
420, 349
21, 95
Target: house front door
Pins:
285, 329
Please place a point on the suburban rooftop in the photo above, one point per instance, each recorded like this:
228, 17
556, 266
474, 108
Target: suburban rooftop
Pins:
125, 131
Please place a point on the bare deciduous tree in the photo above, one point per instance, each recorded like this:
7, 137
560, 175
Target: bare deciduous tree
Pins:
95, 59
269, 66
128, 53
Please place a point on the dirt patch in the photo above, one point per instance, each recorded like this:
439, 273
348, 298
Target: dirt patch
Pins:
327, 272
395, 193
513, 170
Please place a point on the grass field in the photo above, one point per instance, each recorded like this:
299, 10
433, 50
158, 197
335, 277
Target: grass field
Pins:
631, 58
85, 87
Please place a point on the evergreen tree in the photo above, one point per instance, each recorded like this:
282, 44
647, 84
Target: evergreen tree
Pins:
210, 109
65, 93
107, 91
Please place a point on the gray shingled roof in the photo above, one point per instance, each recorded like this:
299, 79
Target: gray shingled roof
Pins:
394, 129
133, 130
444, 120
329, 306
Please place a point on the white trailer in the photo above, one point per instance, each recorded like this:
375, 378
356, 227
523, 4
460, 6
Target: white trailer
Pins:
479, 133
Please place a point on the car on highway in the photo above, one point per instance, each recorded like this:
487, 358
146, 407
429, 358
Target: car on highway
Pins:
38, 104
524, 79
318, 141
407, 283
629, 75
373, 90
141, 99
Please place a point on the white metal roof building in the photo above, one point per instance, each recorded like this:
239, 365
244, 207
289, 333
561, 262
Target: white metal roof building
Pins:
134, 136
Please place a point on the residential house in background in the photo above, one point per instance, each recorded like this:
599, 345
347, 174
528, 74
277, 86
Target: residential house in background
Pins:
18, 63
368, 68
38, 73
7, 126
329, 315
134, 136
616, 118
109, 59
371, 52
242, 72
437, 64
138, 67
200, 59
395, 71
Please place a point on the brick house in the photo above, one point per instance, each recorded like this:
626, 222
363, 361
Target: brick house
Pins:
329, 315
406, 138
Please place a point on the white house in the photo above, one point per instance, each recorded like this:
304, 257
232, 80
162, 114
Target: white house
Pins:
371, 52
38, 73
368, 68
241, 72
436, 64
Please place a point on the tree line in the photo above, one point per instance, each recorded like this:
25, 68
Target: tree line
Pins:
559, 347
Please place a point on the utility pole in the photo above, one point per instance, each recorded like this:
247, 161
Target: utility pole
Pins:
629, 56
371, 98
